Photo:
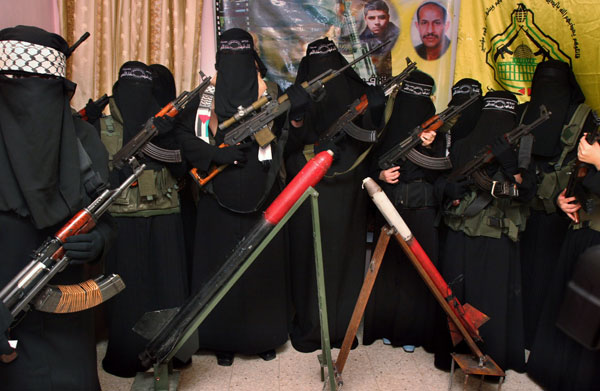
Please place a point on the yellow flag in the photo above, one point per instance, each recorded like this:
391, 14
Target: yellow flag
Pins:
500, 42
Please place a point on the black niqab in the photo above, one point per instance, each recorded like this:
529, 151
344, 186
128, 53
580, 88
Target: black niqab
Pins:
163, 84
498, 116
554, 86
133, 96
237, 65
461, 92
341, 91
39, 159
412, 106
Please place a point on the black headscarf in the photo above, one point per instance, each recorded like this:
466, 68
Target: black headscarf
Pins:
498, 116
237, 82
133, 96
554, 86
412, 106
39, 159
461, 92
322, 55
163, 84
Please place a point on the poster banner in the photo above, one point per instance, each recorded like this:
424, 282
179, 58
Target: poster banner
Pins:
500, 42
418, 29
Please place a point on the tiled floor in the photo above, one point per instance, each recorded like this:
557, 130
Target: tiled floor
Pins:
369, 368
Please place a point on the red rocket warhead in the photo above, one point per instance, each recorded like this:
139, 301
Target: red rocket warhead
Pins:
310, 175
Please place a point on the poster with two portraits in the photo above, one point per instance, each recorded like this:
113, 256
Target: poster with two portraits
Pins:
423, 30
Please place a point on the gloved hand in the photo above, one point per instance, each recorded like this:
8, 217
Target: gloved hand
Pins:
5, 321
231, 155
505, 155
377, 99
163, 124
299, 100
84, 248
93, 111
455, 190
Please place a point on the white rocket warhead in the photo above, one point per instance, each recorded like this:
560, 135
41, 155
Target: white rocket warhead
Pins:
386, 208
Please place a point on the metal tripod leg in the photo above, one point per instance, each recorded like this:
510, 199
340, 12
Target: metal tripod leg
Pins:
162, 379
325, 357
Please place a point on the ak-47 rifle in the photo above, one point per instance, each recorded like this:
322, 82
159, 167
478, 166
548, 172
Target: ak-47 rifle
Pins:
344, 122
100, 103
405, 149
30, 286
140, 142
485, 155
580, 170
269, 110
392, 85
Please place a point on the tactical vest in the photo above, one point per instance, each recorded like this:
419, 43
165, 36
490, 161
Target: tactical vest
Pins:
590, 220
552, 183
500, 216
154, 193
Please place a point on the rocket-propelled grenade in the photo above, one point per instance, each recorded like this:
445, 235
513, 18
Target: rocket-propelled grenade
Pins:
161, 345
469, 317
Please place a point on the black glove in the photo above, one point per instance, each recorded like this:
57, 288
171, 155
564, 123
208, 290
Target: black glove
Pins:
455, 190
5, 321
377, 99
93, 111
505, 155
163, 124
231, 155
84, 248
299, 100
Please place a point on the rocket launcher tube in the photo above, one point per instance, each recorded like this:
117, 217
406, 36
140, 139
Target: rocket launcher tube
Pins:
309, 176
176, 329
423, 264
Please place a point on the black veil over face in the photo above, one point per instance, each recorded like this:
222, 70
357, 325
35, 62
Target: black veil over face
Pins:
461, 92
498, 116
322, 55
39, 159
554, 86
163, 84
134, 98
412, 106
237, 66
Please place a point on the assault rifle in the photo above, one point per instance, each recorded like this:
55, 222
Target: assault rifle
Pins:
101, 103
360, 105
395, 82
273, 108
405, 149
580, 170
270, 109
485, 155
140, 142
30, 286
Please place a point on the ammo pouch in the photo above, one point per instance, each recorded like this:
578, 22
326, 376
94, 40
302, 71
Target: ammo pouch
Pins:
417, 194
154, 193
552, 183
590, 220
499, 216
579, 315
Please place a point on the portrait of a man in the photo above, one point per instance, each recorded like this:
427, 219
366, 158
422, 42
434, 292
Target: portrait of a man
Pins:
432, 25
379, 29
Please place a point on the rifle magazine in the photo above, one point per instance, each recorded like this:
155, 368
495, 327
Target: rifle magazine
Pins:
61, 299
